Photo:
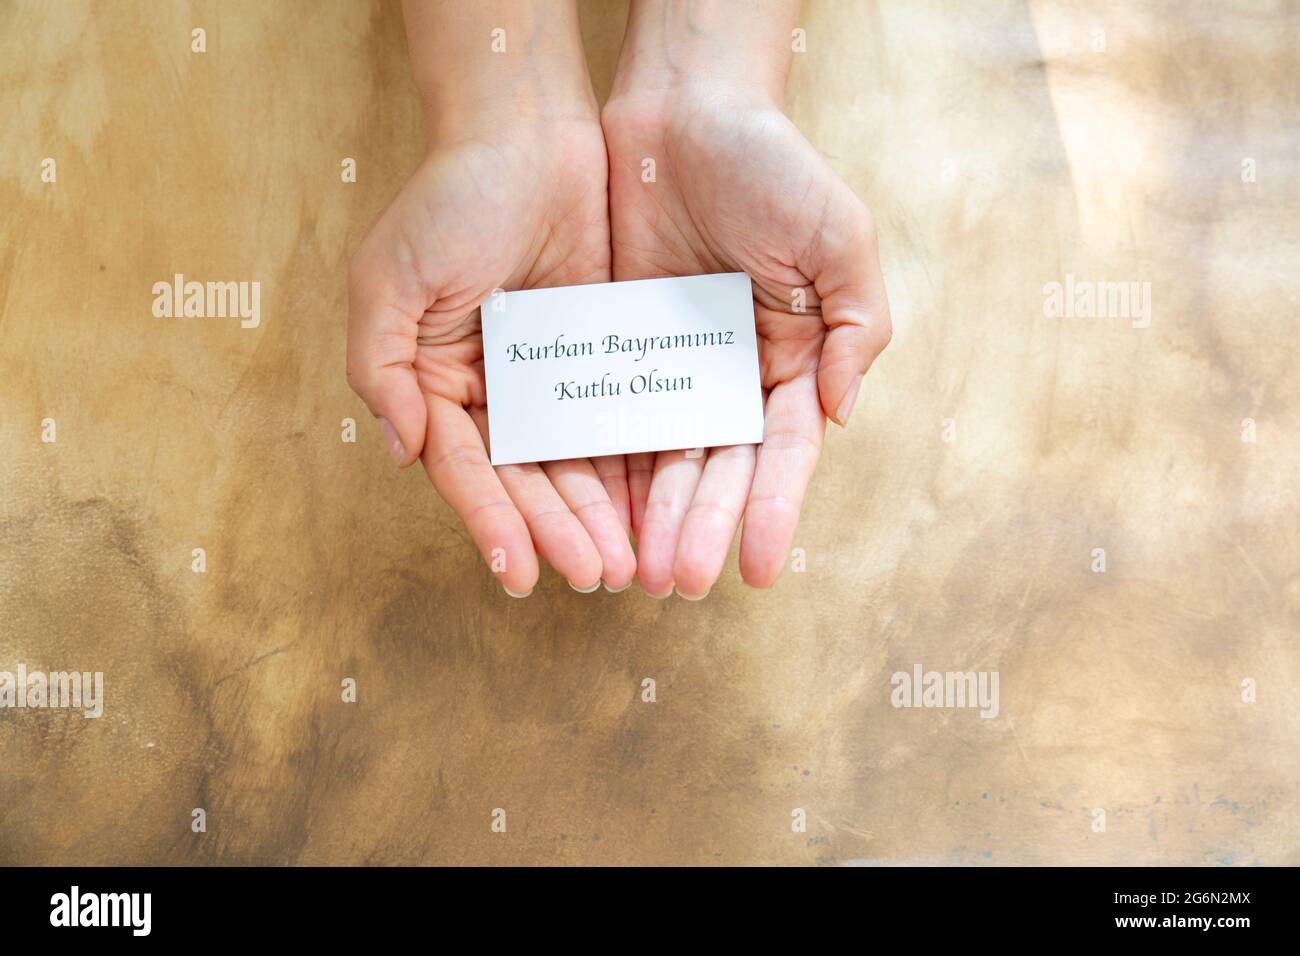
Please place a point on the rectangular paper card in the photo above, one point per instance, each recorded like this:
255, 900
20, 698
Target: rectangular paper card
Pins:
619, 367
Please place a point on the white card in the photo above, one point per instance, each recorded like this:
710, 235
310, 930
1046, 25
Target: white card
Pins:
619, 367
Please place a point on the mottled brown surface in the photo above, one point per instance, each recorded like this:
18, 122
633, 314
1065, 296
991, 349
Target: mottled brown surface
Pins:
999, 151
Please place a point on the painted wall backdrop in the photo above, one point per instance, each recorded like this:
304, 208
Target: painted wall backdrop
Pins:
1101, 507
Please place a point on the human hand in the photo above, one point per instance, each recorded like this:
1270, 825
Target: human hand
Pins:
511, 196
736, 187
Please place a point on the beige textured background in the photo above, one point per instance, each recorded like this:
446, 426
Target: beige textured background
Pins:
999, 152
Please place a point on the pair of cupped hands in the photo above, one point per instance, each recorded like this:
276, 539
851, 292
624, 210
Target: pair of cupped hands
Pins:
703, 178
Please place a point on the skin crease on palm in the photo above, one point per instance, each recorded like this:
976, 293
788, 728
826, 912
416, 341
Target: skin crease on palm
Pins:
527, 187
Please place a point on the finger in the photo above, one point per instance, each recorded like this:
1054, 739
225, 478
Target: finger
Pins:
382, 327
640, 473
792, 441
558, 535
711, 521
578, 483
612, 470
454, 456
671, 489
846, 272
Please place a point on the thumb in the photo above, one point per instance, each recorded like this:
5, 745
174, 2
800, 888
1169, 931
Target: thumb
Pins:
381, 353
854, 307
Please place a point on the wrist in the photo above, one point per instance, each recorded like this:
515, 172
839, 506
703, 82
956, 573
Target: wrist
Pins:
520, 107
483, 67
644, 119
676, 48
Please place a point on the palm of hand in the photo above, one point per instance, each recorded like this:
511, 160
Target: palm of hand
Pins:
478, 216
733, 191
736, 188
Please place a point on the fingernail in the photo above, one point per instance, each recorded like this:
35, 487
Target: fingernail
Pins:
516, 594
691, 597
584, 590
395, 446
846, 403
617, 590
